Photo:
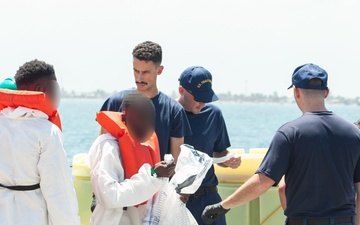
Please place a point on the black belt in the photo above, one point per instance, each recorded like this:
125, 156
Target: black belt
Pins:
22, 187
203, 191
308, 221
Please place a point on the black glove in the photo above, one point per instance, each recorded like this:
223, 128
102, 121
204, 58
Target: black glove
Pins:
212, 212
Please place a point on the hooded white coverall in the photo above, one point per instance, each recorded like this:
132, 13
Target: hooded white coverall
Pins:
32, 152
113, 192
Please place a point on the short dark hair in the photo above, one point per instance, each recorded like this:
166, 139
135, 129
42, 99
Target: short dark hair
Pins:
32, 71
148, 51
137, 99
315, 82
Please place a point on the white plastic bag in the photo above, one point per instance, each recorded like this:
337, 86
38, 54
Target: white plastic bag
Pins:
165, 207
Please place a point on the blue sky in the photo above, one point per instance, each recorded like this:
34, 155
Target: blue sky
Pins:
248, 46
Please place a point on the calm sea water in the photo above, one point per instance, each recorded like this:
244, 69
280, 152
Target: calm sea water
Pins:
249, 125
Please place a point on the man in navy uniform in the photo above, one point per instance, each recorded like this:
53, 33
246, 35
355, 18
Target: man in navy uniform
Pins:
171, 122
209, 134
319, 154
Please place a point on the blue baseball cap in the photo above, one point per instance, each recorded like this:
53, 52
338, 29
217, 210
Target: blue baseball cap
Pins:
303, 74
198, 82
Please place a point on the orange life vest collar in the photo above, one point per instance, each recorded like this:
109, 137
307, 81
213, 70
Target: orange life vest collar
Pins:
133, 153
29, 99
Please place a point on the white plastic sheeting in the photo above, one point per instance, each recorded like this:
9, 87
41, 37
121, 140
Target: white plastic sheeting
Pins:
166, 207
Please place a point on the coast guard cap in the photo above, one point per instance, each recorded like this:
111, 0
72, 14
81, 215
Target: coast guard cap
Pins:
303, 74
198, 82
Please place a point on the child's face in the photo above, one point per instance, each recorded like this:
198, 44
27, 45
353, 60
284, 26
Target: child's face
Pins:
140, 122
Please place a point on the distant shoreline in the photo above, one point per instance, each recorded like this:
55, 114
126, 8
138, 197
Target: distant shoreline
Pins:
253, 98
287, 102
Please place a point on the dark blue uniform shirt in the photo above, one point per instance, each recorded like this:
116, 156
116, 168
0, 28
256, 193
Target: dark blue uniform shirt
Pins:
209, 135
319, 154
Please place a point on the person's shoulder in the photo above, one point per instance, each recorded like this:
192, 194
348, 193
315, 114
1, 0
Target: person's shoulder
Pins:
119, 96
339, 118
165, 99
109, 140
212, 107
106, 143
114, 102
104, 146
292, 124
45, 126
340, 121
213, 110
47, 131
303, 122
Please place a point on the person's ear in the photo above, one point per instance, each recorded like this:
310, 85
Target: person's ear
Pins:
39, 88
327, 91
296, 92
160, 69
181, 90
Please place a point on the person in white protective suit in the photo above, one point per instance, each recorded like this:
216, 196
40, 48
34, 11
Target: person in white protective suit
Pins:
36, 187
125, 163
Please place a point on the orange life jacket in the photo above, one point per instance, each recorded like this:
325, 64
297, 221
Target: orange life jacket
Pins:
29, 99
133, 153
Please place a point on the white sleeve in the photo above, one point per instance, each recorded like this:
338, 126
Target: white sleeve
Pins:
107, 178
56, 182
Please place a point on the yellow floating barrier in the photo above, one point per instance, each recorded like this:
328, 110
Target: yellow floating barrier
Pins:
239, 151
258, 150
249, 164
81, 174
265, 210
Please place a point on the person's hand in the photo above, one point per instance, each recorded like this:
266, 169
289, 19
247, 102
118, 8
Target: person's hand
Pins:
184, 198
164, 170
233, 162
212, 212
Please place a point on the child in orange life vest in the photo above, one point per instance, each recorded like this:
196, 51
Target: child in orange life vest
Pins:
124, 162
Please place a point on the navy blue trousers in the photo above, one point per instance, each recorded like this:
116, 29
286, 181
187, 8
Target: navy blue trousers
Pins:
198, 204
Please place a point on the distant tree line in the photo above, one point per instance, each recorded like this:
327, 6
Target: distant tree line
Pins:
224, 97
253, 97
98, 94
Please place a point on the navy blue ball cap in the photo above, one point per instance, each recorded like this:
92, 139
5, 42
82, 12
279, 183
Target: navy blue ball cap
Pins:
198, 82
303, 74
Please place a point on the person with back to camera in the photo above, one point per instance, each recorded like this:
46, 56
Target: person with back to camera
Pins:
209, 134
282, 187
35, 181
319, 154
171, 122
125, 162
